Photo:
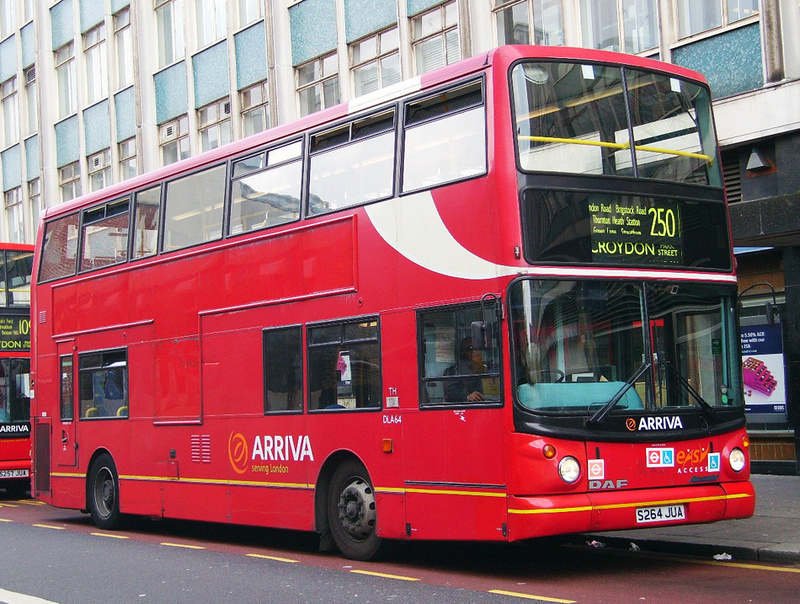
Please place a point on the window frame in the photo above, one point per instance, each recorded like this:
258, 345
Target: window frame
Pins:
411, 122
342, 341
265, 361
108, 212
423, 379
103, 367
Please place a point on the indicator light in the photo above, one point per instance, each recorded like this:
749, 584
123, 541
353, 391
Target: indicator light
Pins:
549, 451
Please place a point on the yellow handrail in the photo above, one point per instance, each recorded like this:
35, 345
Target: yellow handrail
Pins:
578, 141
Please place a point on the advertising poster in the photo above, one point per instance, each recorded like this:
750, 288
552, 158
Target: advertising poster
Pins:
762, 369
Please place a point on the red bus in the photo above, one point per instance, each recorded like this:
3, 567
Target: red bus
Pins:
15, 367
495, 302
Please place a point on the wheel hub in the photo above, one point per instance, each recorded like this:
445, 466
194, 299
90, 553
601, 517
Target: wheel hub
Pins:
357, 509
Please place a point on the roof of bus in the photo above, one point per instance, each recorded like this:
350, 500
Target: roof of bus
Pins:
16, 247
500, 57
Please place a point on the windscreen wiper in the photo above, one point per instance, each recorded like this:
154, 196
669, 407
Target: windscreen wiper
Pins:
705, 406
598, 417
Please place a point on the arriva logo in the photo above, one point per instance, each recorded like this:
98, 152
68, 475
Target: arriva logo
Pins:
655, 423
237, 452
282, 448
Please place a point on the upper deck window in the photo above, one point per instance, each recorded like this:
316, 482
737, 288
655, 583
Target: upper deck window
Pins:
266, 189
607, 120
445, 138
194, 207
16, 277
105, 235
59, 253
352, 163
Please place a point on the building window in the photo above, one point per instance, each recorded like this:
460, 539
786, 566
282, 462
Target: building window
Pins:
65, 74
318, 84
123, 41
69, 180
603, 20
513, 19
127, 159
344, 366
31, 100
94, 47
211, 21
169, 26
701, 15
214, 122
174, 138
35, 197
375, 61
435, 38
103, 384
8, 20
99, 170
249, 11
255, 109
15, 217
9, 104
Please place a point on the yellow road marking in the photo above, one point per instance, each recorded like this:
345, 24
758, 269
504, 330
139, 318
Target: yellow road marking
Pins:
515, 594
50, 526
185, 545
5, 520
8, 505
276, 558
384, 575
32, 502
748, 565
109, 535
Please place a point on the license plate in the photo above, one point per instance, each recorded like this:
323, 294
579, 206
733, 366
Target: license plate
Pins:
13, 473
660, 513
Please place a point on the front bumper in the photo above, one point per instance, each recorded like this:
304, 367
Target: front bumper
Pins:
530, 517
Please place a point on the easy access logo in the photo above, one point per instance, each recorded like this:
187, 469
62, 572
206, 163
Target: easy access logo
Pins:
238, 452
660, 458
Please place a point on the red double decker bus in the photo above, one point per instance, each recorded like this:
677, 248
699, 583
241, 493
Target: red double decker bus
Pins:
494, 303
15, 355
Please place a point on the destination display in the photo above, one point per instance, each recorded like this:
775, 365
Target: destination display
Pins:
15, 333
636, 230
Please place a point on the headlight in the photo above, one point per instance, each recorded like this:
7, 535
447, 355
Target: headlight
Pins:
569, 469
737, 460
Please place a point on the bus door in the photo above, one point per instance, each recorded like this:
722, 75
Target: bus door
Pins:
454, 457
65, 449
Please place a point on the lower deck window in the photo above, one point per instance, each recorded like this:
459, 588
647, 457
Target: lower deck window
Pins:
453, 370
103, 384
344, 366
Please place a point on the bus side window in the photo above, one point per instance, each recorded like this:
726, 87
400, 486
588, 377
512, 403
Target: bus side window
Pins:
344, 366
266, 189
283, 369
60, 250
445, 138
105, 235
194, 207
452, 369
146, 221
103, 384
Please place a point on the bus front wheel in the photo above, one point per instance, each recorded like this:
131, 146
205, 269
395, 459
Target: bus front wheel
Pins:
352, 513
103, 493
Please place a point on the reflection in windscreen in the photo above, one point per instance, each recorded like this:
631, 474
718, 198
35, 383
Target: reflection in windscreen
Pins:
574, 117
580, 344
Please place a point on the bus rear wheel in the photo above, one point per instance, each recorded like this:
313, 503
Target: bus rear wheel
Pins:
352, 512
103, 493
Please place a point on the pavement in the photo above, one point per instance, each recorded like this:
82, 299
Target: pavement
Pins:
772, 534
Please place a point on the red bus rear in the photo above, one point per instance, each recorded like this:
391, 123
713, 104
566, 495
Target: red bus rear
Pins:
493, 303
15, 354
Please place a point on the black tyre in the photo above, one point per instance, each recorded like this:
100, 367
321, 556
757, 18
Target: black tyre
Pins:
102, 493
352, 512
